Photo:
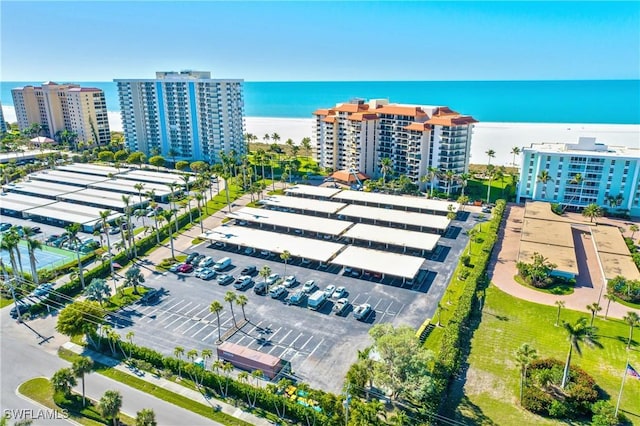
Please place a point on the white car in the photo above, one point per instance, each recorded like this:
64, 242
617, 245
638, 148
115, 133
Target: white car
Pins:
277, 291
362, 311
309, 286
43, 289
329, 290
207, 261
208, 274
272, 279
242, 282
290, 281
175, 266
339, 293
200, 271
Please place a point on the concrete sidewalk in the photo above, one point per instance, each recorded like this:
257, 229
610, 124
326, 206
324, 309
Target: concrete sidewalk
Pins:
169, 385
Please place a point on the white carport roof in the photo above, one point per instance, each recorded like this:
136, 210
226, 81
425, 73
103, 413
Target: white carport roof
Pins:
47, 189
20, 202
399, 265
315, 191
60, 176
292, 220
396, 237
128, 187
69, 212
300, 203
399, 201
89, 169
396, 216
107, 199
154, 177
309, 248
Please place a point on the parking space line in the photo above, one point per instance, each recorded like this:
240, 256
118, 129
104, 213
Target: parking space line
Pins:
225, 322
172, 322
185, 306
206, 308
188, 312
305, 343
150, 314
274, 333
285, 336
314, 349
204, 326
294, 340
168, 308
255, 327
379, 302
210, 334
353, 301
194, 324
241, 339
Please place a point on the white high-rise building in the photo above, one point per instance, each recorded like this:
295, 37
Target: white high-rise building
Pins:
60, 107
358, 135
3, 124
183, 115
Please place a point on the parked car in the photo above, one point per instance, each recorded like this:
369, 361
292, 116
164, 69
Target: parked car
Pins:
222, 264
295, 298
191, 257
4, 226
309, 286
114, 230
277, 291
51, 238
224, 279
265, 252
249, 250
272, 279
249, 270
150, 296
175, 267
260, 288
340, 306
362, 311
198, 259
207, 261
43, 289
290, 281
208, 275
329, 290
242, 282
185, 268
201, 270
36, 230
339, 293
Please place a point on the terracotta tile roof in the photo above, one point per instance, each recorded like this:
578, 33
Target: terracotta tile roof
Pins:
412, 111
329, 119
421, 127
322, 112
346, 176
445, 111
360, 116
452, 120
351, 108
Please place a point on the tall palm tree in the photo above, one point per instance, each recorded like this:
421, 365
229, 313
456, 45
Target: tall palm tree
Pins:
634, 228
544, 178
63, 381
9, 243
560, 305
610, 298
97, 290
133, 277
285, 256
515, 151
594, 308
464, 180
385, 167
139, 187
491, 154
198, 196
449, 176
241, 301
578, 333
524, 356
178, 352
32, 245
633, 320
592, 211
186, 178
166, 216
80, 367
110, 405
146, 417
577, 179
126, 199
306, 145
491, 173
264, 273
216, 307
72, 231
230, 297
104, 215
15, 235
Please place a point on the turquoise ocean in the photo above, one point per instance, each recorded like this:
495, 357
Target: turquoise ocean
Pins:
583, 101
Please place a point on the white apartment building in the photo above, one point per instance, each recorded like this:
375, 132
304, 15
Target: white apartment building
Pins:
358, 135
187, 113
59, 107
3, 124
608, 175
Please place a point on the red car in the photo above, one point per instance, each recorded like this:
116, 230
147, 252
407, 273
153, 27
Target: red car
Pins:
185, 268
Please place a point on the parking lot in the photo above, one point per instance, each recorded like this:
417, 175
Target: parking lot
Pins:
320, 345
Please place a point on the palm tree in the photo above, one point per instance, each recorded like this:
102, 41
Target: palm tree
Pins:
633, 320
32, 246
139, 187
133, 277
594, 308
449, 176
592, 211
385, 167
63, 381
264, 273
97, 290
491, 154
126, 199
216, 307
72, 232
178, 352
186, 179
524, 356
110, 405
306, 145
544, 177
464, 180
634, 228
610, 298
9, 243
241, 301
578, 333
275, 137
146, 417
560, 305
166, 215
230, 297
490, 172
515, 151
285, 256
473, 233
80, 367
440, 309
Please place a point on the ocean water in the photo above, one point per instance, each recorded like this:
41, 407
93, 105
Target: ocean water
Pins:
584, 101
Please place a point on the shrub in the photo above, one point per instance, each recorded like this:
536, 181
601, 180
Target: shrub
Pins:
465, 259
625, 289
604, 414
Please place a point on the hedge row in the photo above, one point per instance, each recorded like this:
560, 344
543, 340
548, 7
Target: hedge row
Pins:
265, 399
74, 287
449, 357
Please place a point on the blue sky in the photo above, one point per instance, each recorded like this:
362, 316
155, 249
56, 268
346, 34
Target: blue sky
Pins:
312, 41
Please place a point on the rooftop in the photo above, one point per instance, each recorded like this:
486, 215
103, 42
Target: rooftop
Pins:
547, 232
291, 220
615, 264
300, 203
315, 191
19, 202
396, 200
395, 264
396, 216
609, 239
586, 146
564, 257
393, 236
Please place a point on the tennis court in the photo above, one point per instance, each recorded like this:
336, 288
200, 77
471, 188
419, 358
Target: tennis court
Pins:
47, 258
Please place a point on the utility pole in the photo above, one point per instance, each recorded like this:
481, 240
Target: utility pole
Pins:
345, 403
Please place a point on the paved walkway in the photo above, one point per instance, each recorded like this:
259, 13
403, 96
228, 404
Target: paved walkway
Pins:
170, 386
590, 285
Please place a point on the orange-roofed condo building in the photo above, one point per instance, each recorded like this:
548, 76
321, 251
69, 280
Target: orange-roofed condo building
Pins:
358, 135
59, 107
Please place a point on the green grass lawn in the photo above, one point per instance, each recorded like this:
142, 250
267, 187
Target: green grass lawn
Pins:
492, 380
557, 289
477, 190
5, 302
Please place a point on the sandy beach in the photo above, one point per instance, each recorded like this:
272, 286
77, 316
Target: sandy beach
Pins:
501, 137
